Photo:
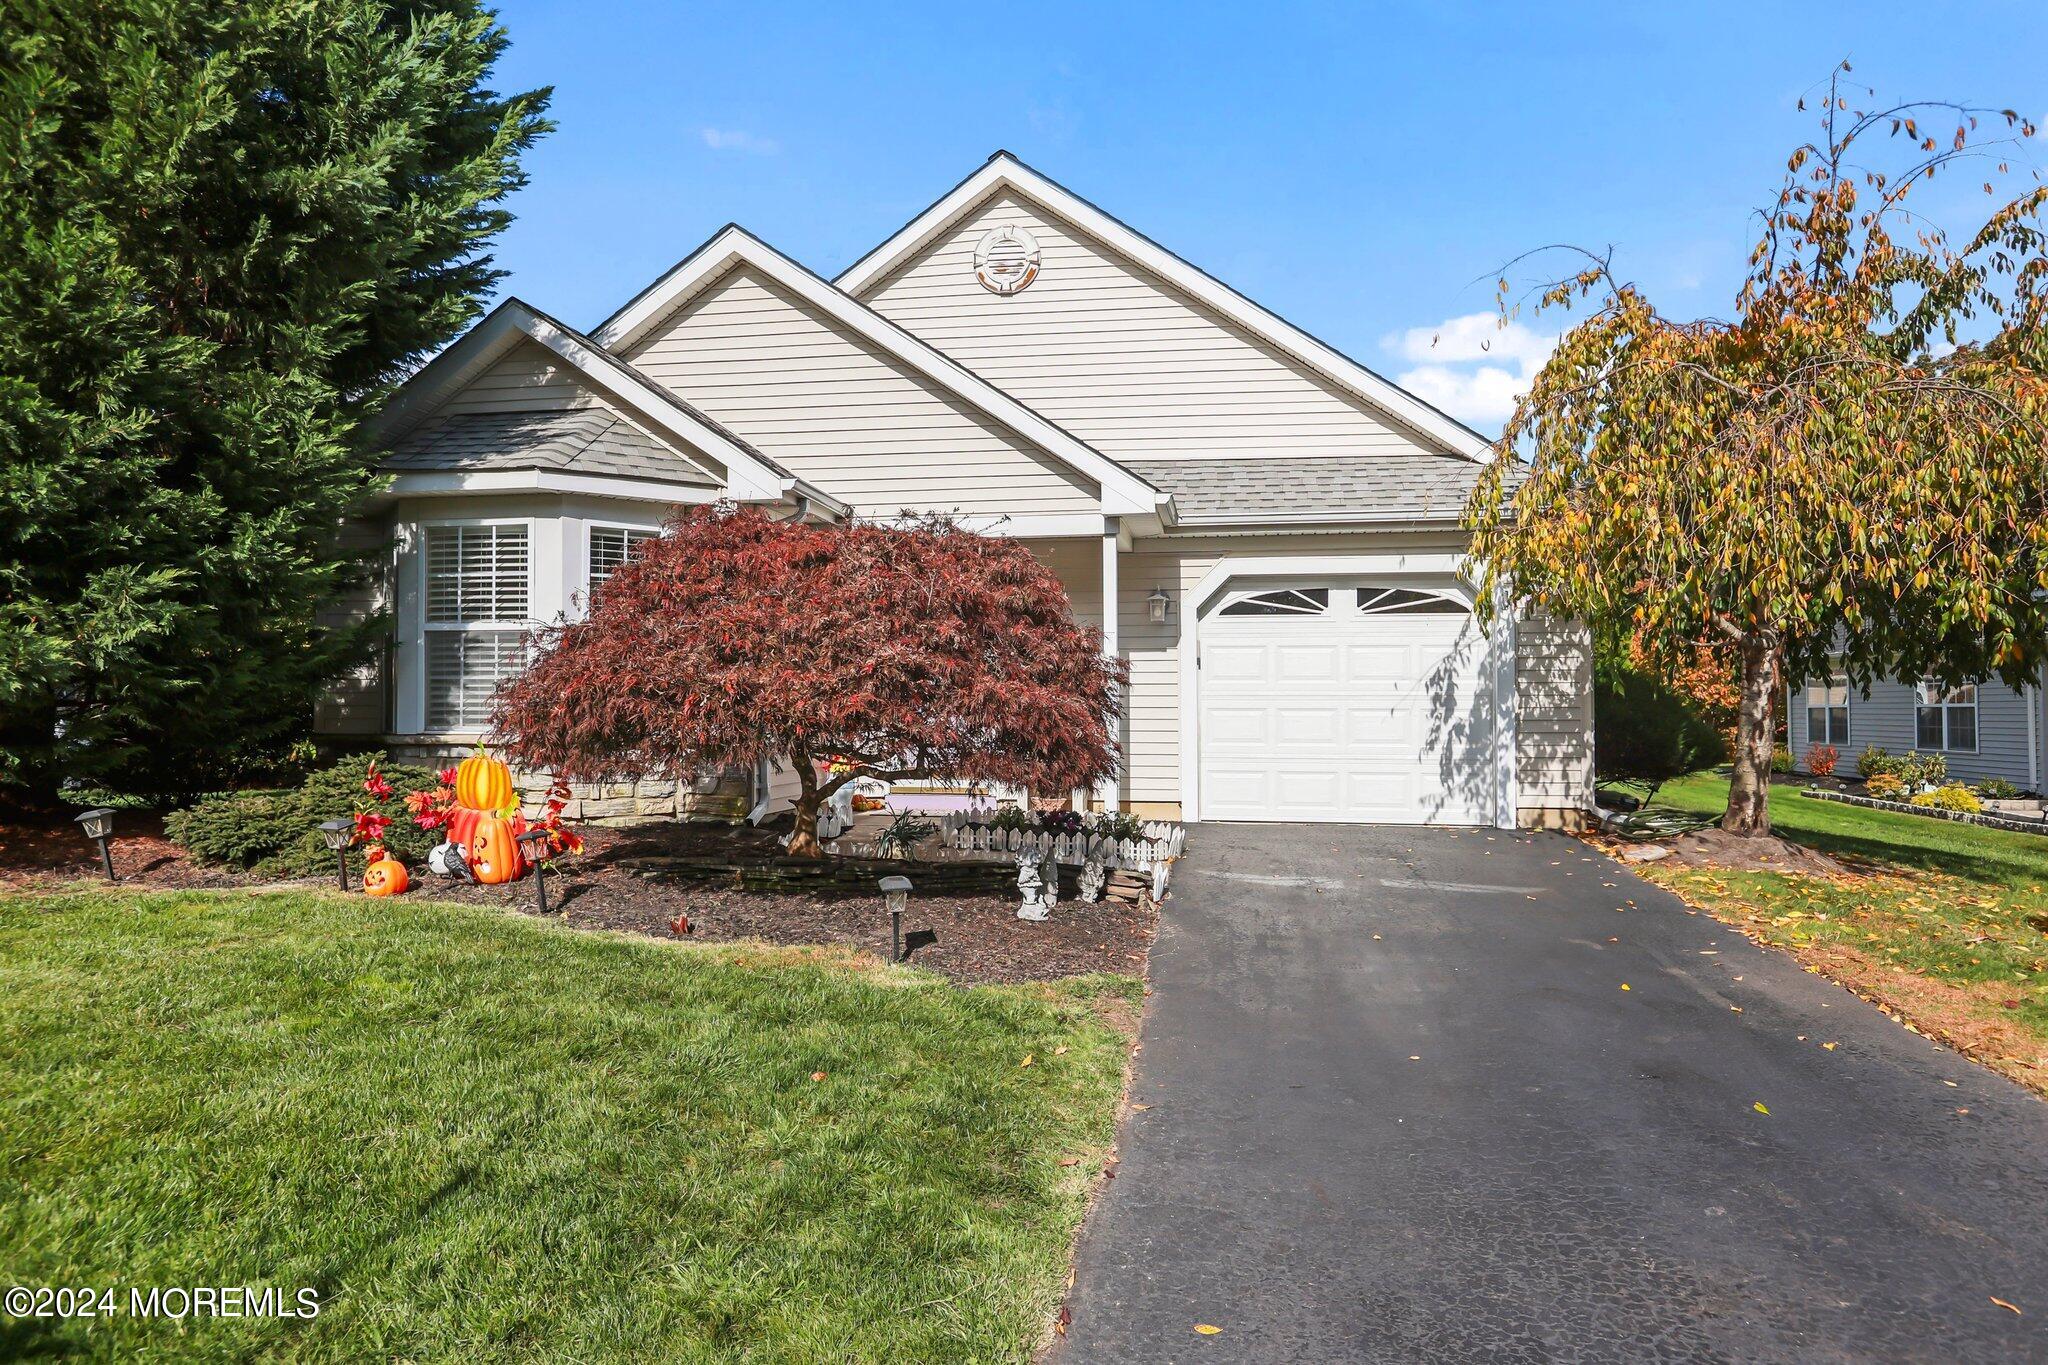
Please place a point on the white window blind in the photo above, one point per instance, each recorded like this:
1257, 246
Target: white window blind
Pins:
476, 573
464, 670
478, 596
611, 546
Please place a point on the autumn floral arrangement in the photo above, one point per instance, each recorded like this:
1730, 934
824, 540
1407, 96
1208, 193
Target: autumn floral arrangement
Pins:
475, 808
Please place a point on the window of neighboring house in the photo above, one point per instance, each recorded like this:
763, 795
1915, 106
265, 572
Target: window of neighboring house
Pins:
1946, 718
1827, 712
611, 546
477, 609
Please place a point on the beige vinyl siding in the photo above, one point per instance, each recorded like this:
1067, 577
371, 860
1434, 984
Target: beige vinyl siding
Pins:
527, 378
839, 413
1553, 715
355, 703
1118, 356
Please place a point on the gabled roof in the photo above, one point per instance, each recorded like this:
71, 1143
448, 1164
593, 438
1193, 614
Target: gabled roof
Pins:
1122, 491
1005, 172
586, 440
1385, 486
750, 476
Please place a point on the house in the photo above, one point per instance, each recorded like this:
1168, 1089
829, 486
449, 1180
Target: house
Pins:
1265, 529
1982, 730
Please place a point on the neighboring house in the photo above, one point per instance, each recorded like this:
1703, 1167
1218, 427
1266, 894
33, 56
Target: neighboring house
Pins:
1983, 729
1266, 530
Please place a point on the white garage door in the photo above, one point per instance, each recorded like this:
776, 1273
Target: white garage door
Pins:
1362, 705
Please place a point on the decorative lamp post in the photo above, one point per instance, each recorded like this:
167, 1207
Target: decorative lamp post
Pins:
535, 844
336, 834
896, 891
1156, 604
98, 824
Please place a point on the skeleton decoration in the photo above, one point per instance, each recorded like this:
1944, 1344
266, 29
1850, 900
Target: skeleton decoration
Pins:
1094, 876
1038, 883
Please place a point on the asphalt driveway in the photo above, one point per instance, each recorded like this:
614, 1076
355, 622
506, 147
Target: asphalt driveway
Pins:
1400, 1108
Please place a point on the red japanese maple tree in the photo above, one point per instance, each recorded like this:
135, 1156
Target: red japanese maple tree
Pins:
901, 652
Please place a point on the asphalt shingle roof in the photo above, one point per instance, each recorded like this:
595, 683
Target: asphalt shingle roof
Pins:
585, 440
1382, 487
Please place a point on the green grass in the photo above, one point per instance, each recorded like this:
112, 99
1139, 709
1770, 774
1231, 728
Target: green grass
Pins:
1959, 905
484, 1137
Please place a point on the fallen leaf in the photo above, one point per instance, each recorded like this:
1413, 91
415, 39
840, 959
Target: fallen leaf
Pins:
1759, 1107
1414, 1057
1066, 1320
817, 1075
1830, 1046
1141, 1106
1736, 1008
1624, 985
1950, 1084
1028, 1059
1060, 1051
1206, 1330
1070, 1161
2009, 1307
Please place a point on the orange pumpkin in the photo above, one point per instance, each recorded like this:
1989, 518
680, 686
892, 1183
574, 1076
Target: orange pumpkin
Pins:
494, 850
385, 877
462, 825
483, 783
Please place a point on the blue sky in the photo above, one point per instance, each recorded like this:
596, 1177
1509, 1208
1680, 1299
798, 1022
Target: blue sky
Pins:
1361, 170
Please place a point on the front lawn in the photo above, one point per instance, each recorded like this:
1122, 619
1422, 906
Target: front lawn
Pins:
476, 1135
1945, 923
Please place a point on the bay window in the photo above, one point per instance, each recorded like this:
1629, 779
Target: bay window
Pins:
478, 594
611, 546
1945, 718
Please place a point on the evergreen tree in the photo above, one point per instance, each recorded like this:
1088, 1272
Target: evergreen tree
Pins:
225, 230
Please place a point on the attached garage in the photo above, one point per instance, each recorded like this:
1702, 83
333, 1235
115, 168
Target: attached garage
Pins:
1353, 703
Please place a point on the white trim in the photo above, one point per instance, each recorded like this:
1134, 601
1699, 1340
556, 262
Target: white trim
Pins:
1383, 564
433, 483
1507, 776
1121, 490
1108, 791
1005, 172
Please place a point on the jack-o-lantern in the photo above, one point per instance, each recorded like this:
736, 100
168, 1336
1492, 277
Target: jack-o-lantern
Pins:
385, 877
483, 783
461, 825
494, 850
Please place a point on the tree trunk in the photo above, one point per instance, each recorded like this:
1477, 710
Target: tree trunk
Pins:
1749, 788
803, 839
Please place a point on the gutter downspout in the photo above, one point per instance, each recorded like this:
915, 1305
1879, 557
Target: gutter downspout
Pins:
2034, 736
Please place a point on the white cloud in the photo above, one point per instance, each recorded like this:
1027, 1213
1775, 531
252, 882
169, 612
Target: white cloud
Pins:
736, 140
1470, 366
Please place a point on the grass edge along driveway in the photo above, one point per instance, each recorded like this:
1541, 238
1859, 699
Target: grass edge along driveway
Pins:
1943, 924
479, 1135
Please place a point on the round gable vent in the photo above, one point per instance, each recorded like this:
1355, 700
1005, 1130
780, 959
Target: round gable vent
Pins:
1006, 260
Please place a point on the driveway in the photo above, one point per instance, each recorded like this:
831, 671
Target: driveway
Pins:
1400, 1108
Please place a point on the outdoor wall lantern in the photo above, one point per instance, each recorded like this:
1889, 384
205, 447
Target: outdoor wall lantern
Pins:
535, 844
336, 835
1156, 604
896, 891
98, 824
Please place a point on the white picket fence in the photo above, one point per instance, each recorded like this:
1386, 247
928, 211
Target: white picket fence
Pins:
1163, 841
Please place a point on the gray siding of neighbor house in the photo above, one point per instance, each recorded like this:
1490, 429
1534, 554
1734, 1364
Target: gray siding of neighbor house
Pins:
1885, 717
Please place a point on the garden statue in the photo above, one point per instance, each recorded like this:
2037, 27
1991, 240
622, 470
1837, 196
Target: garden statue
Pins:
836, 816
446, 859
1038, 881
1094, 876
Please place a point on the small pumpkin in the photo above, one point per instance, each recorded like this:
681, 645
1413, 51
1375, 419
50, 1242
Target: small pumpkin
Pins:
494, 850
483, 783
385, 877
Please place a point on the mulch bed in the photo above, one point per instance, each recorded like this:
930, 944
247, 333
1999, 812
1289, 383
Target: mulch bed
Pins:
971, 938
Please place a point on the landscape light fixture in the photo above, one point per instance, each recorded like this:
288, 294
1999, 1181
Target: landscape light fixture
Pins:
336, 834
896, 891
98, 824
1156, 603
535, 843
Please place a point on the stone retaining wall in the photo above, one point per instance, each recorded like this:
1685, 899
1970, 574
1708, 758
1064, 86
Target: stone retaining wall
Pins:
722, 797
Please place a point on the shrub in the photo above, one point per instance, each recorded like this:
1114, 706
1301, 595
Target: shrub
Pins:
1918, 770
1885, 786
1644, 732
274, 831
1874, 761
1997, 789
1821, 759
1116, 824
1953, 796
1781, 759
